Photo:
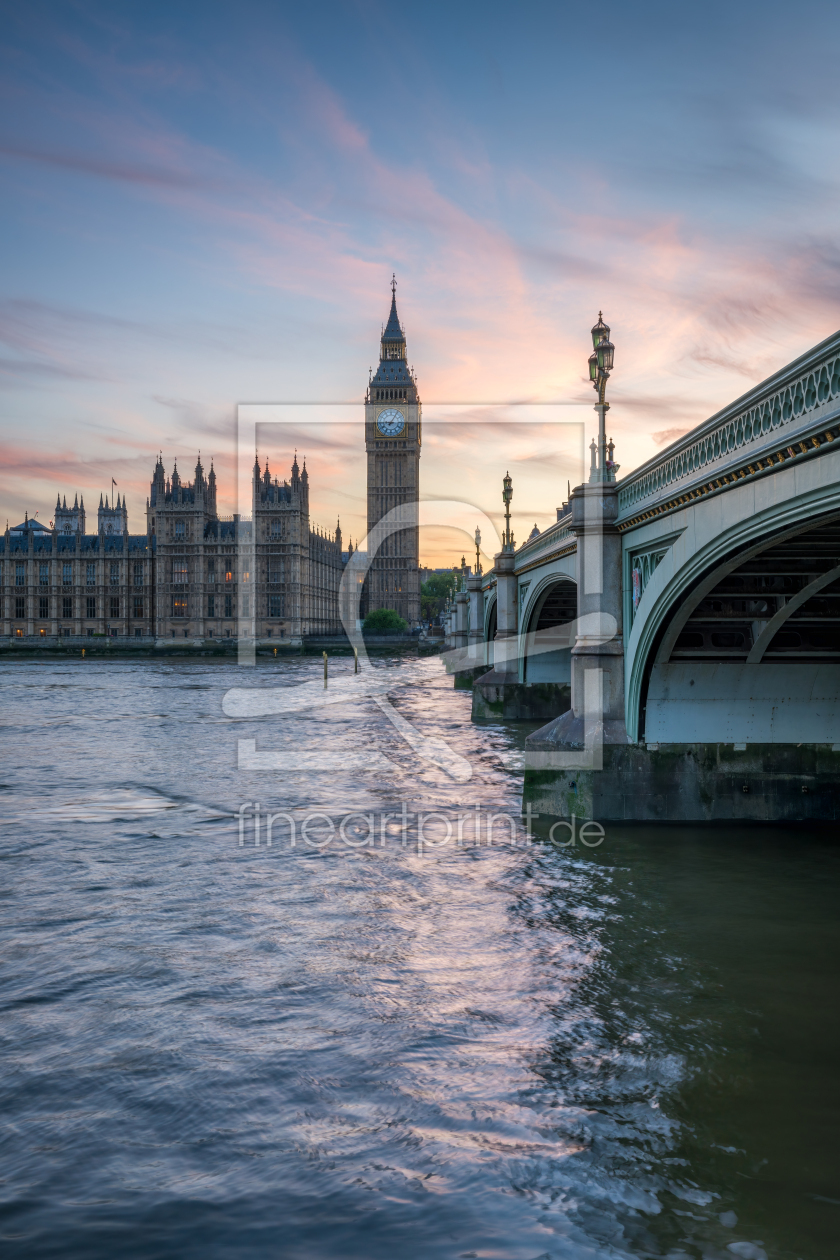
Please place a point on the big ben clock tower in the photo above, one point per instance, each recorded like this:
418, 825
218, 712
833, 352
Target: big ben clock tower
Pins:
392, 441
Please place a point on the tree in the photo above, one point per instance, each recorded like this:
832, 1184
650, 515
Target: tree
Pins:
384, 621
435, 591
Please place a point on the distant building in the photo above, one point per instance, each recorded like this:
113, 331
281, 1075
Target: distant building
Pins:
196, 575
185, 577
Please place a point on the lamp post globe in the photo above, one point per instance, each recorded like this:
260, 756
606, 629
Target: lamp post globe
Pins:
507, 495
605, 354
600, 331
600, 365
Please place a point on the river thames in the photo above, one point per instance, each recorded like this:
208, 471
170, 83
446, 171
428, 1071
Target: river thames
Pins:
420, 1047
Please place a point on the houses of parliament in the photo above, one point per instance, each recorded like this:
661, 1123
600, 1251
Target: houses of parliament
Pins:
196, 575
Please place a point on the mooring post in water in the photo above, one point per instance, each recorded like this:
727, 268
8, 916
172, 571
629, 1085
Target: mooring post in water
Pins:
325, 671
355, 660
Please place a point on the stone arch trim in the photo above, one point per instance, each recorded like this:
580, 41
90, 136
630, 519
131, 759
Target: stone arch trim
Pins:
536, 597
701, 572
489, 605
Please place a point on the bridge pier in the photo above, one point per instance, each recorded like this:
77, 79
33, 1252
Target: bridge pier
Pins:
476, 635
461, 606
692, 783
597, 695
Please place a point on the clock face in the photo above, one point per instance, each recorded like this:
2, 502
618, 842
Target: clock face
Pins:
390, 422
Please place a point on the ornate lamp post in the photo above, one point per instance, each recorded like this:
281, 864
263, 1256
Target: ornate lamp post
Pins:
507, 495
477, 551
600, 365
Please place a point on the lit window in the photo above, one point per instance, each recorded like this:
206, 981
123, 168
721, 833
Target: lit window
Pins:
179, 571
179, 606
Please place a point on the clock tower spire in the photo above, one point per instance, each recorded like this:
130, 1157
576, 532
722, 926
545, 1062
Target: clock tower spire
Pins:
392, 441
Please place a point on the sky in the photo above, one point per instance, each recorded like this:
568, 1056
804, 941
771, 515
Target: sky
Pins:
203, 204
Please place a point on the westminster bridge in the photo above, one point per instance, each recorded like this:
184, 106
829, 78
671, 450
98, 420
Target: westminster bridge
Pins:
686, 616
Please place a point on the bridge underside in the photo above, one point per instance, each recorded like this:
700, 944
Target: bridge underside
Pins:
753, 655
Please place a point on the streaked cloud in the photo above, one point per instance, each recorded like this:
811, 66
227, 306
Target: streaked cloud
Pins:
191, 224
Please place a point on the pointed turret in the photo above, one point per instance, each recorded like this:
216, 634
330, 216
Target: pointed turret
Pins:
393, 336
157, 489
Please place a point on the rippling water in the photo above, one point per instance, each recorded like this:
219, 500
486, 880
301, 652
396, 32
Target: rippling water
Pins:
393, 1050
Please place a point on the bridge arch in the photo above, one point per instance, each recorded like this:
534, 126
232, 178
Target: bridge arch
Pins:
547, 612
490, 623
739, 638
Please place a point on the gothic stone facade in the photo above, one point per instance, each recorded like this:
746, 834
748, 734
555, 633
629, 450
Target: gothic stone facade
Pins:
191, 575
196, 575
